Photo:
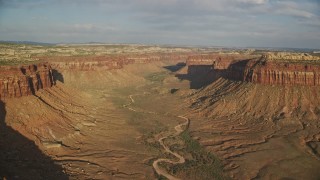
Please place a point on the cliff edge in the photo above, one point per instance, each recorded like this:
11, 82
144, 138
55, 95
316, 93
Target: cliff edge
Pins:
284, 69
279, 68
24, 80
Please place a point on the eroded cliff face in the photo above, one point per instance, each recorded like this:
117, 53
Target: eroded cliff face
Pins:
24, 80
255, 118
206, 68
87, 63
282, 69
283, 73
219, 61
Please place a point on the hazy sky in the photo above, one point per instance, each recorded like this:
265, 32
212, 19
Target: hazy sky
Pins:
264, 23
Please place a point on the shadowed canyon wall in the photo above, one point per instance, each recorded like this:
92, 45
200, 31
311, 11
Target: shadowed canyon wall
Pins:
21, 158
205, 69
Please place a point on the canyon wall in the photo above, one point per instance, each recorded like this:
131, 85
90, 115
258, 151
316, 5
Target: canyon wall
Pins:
218, 65
218, 61
86, 63
272, 68
284, 69
17, 81
303, 69
283, 73
24, 80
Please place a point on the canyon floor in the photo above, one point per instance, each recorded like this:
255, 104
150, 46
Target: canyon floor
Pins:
108, 125
105, 127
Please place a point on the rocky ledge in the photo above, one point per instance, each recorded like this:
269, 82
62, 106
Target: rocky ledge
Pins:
17, 81
295, 71
24, 80
271, 68
87, 63
218, 61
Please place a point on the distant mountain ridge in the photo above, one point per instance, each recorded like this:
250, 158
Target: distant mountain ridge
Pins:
28, 42
309, 50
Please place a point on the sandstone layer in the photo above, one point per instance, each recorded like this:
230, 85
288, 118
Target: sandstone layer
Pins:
87, 63
24, 80
218, 61
259, 131
283, 73
265, 129
282, 69
17, 81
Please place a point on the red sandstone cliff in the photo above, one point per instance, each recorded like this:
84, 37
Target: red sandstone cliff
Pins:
263, 70
86, 63
214, 66
219, 61
24, 80
284, 73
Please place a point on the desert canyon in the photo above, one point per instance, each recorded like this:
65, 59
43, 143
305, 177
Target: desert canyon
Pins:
151, 112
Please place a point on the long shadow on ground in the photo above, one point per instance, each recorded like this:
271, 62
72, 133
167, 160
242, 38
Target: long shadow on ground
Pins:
57, 76
175, 68
20, 158
203, 75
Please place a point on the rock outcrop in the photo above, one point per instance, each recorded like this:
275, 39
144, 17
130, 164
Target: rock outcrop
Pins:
24, 80
283, 73
218, 65
87, 63
272, 68
28, 79
218, 61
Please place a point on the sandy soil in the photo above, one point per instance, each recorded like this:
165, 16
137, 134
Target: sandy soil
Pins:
259, 131
126, 124
88, 133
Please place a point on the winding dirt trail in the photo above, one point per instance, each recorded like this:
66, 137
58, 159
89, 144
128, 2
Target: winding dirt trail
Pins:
179, 129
